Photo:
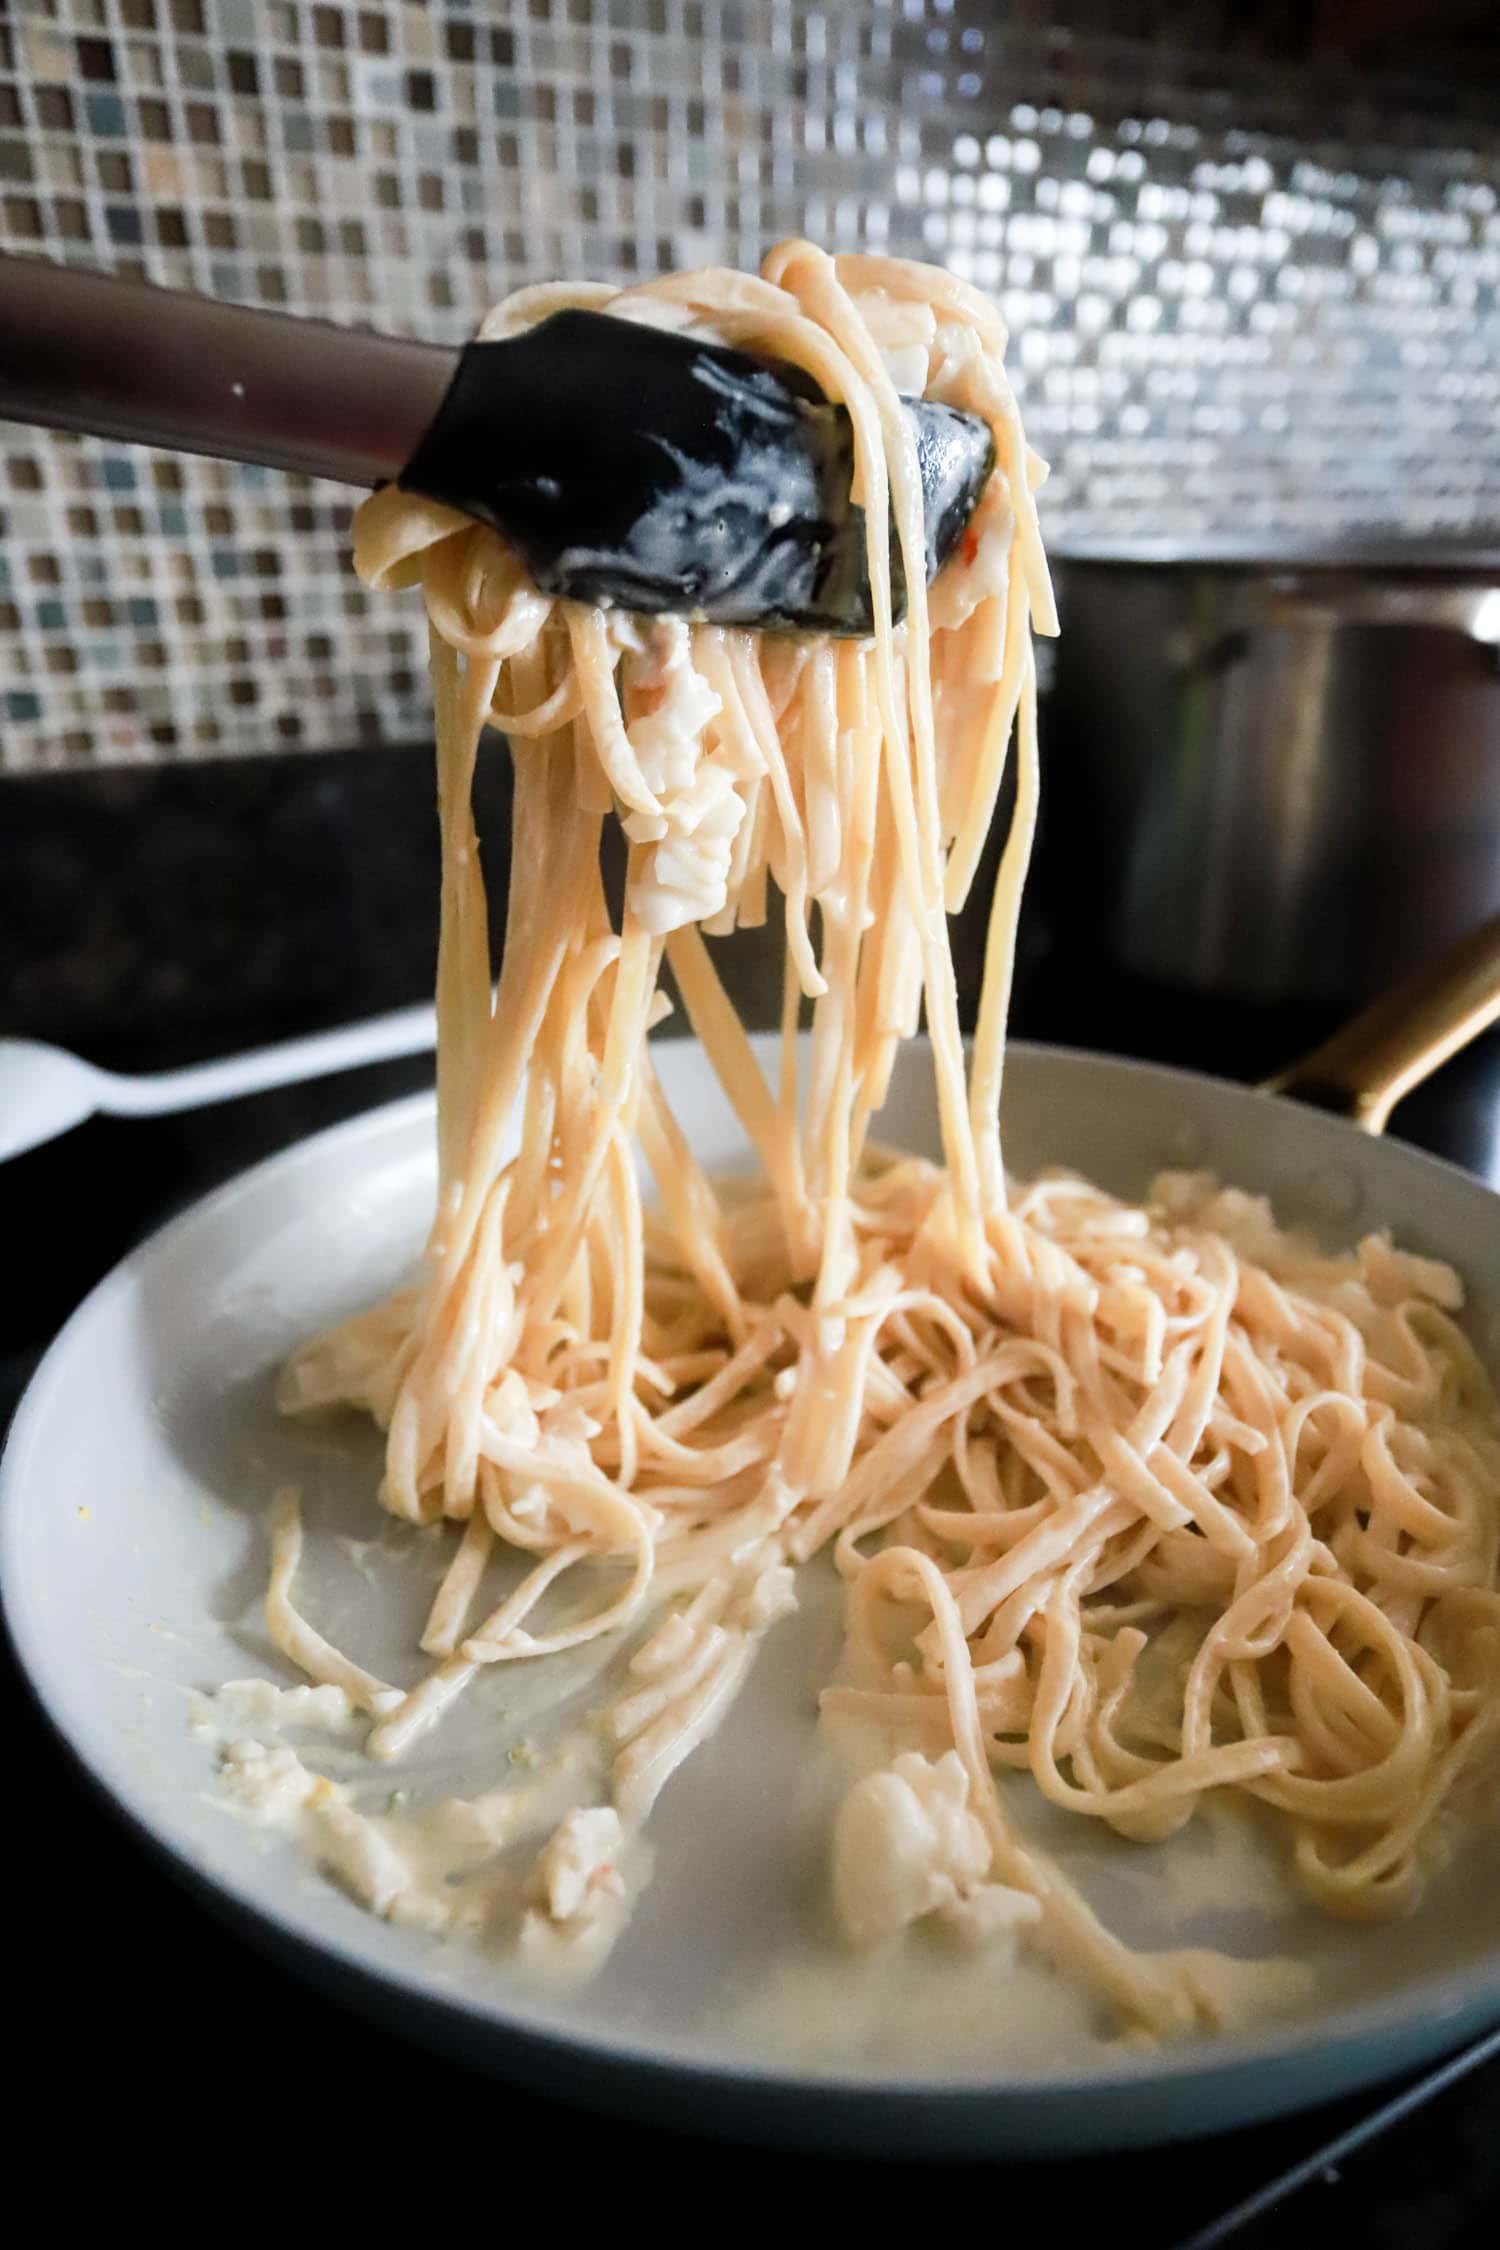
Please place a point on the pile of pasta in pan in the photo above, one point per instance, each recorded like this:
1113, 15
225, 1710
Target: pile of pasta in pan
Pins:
1146, 1501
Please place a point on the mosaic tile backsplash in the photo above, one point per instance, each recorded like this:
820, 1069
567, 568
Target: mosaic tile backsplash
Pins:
1246, 294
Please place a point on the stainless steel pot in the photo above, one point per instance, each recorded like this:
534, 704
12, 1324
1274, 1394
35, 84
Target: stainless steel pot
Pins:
1281, 773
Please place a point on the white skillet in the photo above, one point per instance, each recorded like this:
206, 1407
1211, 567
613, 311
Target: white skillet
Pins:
132, 1497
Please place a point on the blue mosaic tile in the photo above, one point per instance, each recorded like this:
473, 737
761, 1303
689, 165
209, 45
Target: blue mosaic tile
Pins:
106, 116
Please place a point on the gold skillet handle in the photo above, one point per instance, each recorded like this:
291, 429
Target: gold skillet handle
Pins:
1400, 1039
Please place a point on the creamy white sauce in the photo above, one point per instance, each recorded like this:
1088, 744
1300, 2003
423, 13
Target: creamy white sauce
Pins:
925, 2004
242, 1705
543, 1868
938, 1970
684, 877
447, 1866
906, 1846
385, 1864
583, 1886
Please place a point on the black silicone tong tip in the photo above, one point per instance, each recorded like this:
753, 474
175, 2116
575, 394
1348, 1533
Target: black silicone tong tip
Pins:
634, 466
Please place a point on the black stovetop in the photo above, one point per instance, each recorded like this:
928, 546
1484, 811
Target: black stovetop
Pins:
154, 918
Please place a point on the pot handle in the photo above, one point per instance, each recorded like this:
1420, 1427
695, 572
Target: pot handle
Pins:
1401, 1038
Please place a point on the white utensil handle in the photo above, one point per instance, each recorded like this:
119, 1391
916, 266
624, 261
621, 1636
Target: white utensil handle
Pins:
408, 1031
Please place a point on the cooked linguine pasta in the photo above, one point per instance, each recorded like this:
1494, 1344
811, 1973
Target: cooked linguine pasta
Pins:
1147, 1501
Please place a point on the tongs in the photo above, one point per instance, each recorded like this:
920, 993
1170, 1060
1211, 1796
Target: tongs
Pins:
626, 464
